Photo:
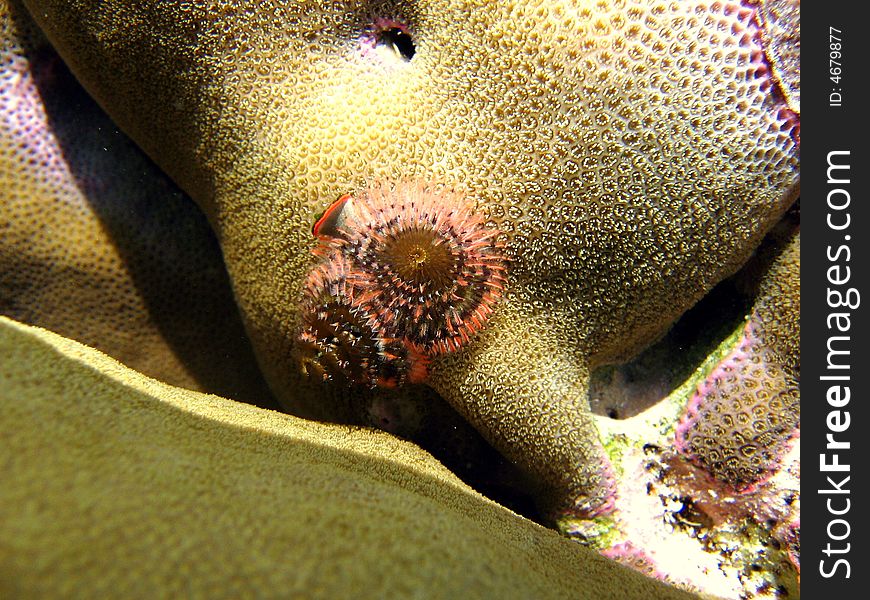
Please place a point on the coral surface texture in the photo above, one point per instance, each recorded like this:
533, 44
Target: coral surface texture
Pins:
444, 219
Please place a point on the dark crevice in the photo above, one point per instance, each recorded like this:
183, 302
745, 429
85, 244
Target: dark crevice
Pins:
623, 391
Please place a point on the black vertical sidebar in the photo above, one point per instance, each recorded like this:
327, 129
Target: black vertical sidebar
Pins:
835, 364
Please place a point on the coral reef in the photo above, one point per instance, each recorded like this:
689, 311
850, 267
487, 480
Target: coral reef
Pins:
673, 521
628, 554
631, 155
780, 20
97, 242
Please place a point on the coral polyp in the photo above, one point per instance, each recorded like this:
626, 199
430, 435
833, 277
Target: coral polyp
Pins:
424, 263
341, 341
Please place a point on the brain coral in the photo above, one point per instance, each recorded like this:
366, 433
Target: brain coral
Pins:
124, 484
632, 152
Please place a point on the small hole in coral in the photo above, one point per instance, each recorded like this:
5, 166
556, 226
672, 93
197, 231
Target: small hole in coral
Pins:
399, 40
612, 413
651, 448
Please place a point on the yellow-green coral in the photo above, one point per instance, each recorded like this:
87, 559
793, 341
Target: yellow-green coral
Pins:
778, 306
97, 244
118, 485
782, 41
633, 152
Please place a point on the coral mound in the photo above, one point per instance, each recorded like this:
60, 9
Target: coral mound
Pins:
632, 154
124, 484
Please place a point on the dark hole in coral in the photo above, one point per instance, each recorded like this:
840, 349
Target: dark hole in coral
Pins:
612, 413
692, 516
399, 40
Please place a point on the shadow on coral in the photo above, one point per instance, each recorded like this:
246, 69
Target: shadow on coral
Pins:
169, 250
